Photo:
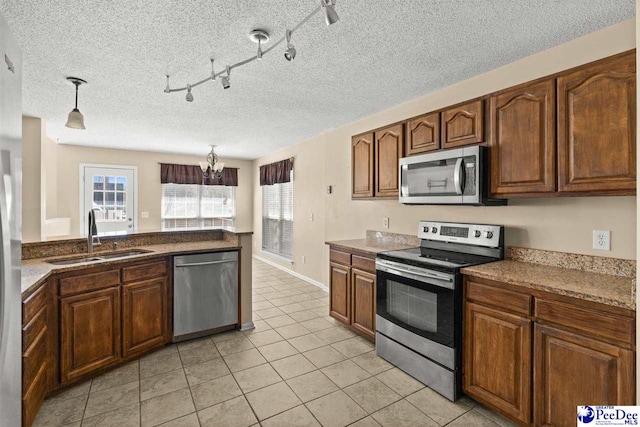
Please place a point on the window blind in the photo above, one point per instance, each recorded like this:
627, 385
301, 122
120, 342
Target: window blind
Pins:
277, 219
197, 206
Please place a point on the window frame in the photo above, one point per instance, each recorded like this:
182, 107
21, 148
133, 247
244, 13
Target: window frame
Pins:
199, 218
281, 217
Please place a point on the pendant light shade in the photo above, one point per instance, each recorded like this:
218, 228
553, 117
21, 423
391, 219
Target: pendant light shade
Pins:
75, 119
330, 15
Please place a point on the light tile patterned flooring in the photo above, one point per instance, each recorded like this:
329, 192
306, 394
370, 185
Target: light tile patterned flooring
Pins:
298, 367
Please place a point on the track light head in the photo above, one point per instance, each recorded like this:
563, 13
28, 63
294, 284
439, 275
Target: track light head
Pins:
290, 53
259, 54
330, 15
167, 88
226, 80
189, 96
213, 72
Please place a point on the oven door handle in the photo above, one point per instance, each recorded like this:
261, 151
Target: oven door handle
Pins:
443, 282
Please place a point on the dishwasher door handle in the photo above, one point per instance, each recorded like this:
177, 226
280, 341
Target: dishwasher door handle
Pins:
196, 264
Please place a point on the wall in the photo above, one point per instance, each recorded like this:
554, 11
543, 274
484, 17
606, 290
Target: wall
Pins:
564, 224
31, 185
62, 174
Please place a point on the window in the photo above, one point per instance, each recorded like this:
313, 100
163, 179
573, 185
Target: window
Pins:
197, 206
277, 219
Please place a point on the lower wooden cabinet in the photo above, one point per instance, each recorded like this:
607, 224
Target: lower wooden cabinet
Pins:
536, 362
571, 370
363, 302
144, 315
497, 362
352, 298
340, 293
90, 332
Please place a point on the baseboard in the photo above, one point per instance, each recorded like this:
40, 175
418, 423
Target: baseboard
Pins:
291, 272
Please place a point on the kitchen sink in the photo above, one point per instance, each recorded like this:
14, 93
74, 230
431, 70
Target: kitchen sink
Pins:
98, 257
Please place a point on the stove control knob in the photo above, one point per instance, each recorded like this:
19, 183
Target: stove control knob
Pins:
434, 229
489, 234
425, 229
478, 233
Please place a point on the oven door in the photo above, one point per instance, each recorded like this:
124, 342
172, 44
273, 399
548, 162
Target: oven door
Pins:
446, 177
417, 307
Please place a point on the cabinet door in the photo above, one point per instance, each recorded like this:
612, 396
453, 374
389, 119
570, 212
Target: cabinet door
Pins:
144, 315
363, 302
463, 125
571, 370
597, 128
497, 360
362, 165
340, 293
523, 140
89, 332
423, 134
389, 144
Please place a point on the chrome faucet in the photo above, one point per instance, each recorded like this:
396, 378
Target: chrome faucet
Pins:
92, 232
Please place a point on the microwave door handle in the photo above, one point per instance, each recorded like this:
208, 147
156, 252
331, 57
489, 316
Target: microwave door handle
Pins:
457, 176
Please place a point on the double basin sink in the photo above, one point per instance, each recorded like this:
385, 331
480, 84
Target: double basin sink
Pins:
98, 257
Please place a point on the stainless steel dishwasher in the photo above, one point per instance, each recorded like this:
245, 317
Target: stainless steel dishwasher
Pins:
205, 294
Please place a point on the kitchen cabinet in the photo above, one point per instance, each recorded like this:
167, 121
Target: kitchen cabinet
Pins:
389, 146
352, 291
523, 139
571, 370
568, 351
144, 312
463, 125
597, 127
362, 168
422, 134
363, 307
497, 365
89, 332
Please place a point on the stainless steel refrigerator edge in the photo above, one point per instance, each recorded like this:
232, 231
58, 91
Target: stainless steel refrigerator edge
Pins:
10, 227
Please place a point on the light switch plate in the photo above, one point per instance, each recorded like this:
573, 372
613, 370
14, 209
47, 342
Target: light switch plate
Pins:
602, 240
385, 222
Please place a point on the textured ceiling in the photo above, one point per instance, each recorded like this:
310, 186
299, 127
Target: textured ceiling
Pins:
379, 54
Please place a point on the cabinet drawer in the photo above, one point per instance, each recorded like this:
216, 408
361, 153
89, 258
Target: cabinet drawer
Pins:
503, 298
363, 263
89, 282
340, 257
33, 304
31, 330
34, 396
33, 358
144, 271
600, 324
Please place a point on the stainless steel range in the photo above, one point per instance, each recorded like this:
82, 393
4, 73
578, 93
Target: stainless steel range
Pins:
419, 300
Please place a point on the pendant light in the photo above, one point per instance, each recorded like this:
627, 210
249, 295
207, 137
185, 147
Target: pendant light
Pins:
76, 119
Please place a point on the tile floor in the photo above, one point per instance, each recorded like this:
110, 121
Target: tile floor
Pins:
298, 367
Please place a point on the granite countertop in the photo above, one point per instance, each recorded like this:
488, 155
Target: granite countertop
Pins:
617, 291
34, 271
370, 246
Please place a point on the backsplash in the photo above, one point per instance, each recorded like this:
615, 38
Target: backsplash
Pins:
386, 237
594, 264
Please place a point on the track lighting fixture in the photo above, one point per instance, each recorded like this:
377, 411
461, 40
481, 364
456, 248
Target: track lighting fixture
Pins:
226, 80
261, 37
75, 119
330, 15
290, 53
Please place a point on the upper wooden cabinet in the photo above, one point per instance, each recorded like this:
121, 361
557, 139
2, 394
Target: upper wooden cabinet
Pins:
463, 125
389, 146
597, 127
422, 134
523, 139
362, 169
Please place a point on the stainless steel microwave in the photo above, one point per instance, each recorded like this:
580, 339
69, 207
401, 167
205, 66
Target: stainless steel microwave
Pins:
451, 177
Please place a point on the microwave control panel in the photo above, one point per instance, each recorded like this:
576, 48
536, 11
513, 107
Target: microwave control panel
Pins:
469, 234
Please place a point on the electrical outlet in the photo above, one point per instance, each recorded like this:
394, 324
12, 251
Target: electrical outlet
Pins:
385, 222
144, 214
304, 259
602, 240
311, 217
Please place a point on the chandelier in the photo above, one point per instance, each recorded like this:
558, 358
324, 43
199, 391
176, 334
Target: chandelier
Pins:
212, 168
260, 37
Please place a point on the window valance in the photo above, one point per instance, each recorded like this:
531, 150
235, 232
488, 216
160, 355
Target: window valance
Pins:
190, 174
276, 173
